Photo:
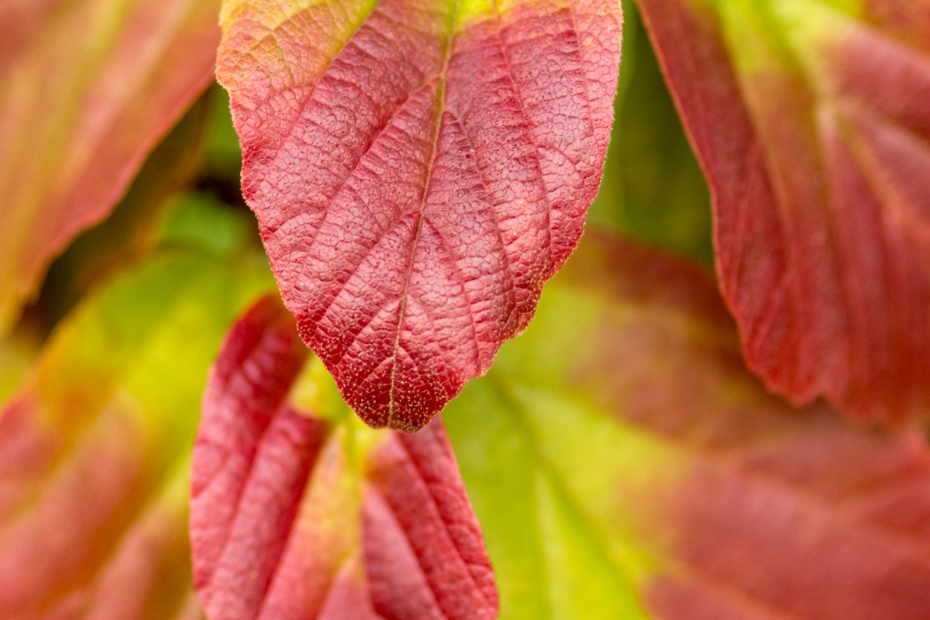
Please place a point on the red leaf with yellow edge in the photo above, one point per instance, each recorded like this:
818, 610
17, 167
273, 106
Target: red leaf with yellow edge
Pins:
811, 123
87, 88
623, 461
94, 449
418, 170
297, 516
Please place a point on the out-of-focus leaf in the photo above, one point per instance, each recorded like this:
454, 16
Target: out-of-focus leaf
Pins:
94, 449
811, 121
224, 156
18, 351
295, 515
131, 232
86, 91
418, 170
653, 188
204, 221
624, 464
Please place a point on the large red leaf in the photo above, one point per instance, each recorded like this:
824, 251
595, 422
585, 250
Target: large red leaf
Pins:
298, 517
812, 127
418, 169
624, 462
87, 88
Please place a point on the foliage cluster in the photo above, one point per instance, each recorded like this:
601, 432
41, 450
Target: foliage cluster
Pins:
222, 367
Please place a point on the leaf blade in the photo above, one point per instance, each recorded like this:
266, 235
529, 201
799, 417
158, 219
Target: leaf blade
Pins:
418, 174
299, 516
820, 242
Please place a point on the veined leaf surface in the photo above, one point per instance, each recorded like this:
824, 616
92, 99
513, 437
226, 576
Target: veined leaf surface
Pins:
87, 88
418, 168
298, 517
810, 120
94, 449
624, 464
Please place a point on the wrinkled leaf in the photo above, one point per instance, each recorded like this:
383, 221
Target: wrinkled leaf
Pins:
94, 449
296, 516
624, 464
418, 170
810, 119
87, 88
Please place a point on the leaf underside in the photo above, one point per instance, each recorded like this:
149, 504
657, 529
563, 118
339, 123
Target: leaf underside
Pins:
418, 169
812, 127
298, 517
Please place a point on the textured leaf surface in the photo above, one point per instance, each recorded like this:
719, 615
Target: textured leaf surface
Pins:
296, 516
87, 88
624, 464
94, 449
418, 169
811, 123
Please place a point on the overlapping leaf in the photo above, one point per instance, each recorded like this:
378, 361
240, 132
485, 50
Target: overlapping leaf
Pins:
94, 449
624, 464
87, 88
296, 516
811, 123
418, 169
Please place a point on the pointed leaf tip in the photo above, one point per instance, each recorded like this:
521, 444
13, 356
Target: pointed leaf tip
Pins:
295, 516
811, 124
418, 169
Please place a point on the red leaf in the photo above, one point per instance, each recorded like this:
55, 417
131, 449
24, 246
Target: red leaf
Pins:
293, 516
814, 139
418, 174
86, 90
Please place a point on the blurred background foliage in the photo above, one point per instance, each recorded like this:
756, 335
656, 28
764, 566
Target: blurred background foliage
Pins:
653, 188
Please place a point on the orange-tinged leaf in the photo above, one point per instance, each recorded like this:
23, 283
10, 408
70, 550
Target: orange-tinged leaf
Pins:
94, 449
624, 463
810, 120
295, 516
87, 88
418, 169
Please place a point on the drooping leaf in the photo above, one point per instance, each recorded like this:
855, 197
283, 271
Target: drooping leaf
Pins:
87, 88
94, 449
298, 516
418, 170
624, 464
810, 120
